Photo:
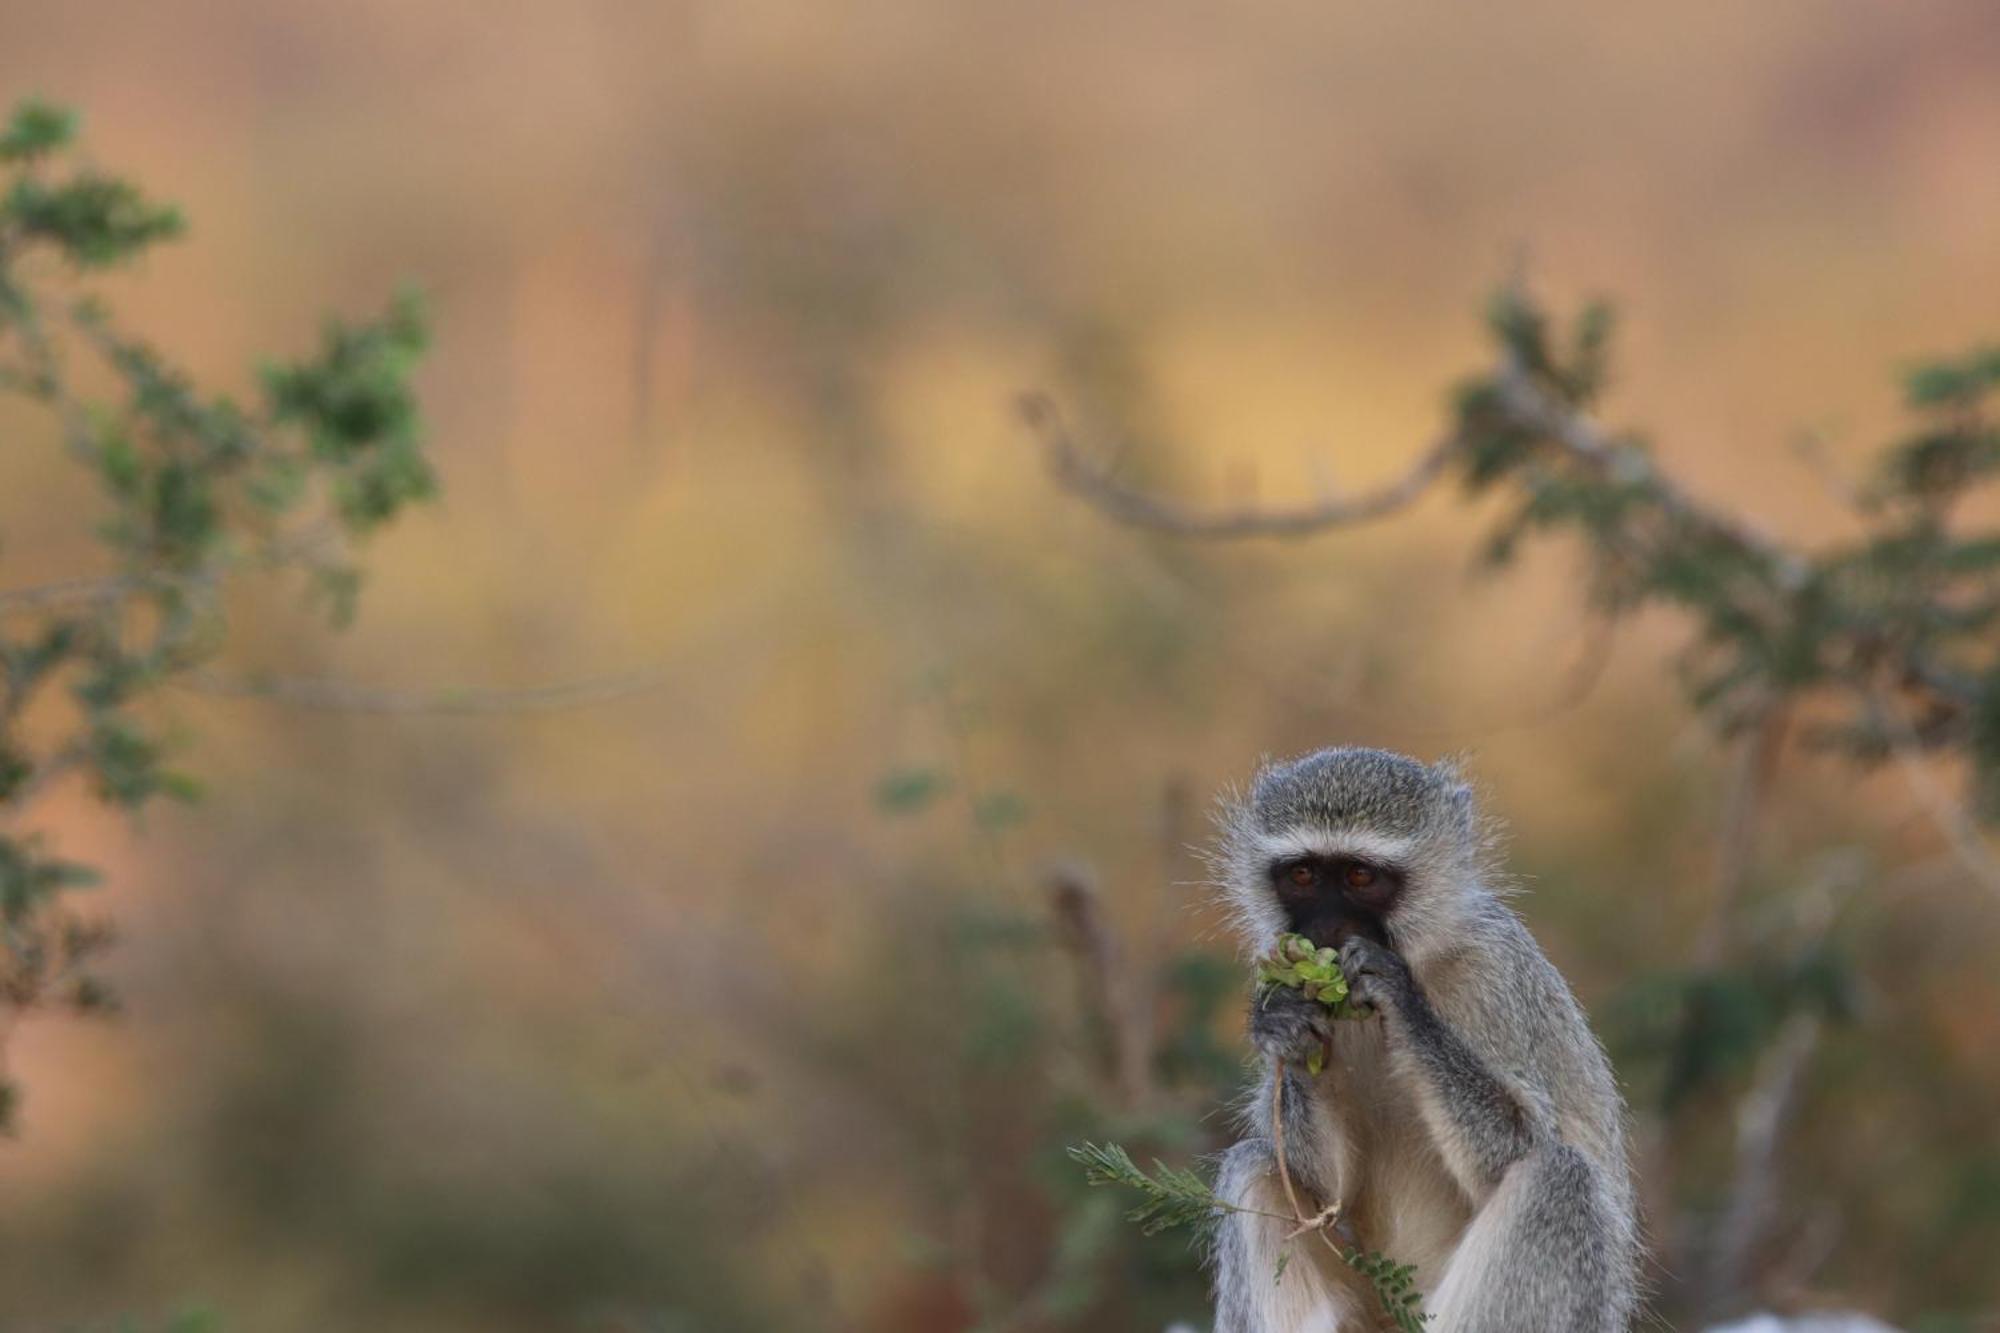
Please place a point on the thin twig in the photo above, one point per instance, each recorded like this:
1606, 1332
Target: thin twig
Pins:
1325, 1217
1322, 1223
324, 694
1762, 1118
47, 773
1736, 844
94, 588
1811, 450
1078, 473
1278, 1140
1961, 834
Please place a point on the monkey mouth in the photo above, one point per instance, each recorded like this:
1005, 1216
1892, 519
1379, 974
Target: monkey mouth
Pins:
1333, 921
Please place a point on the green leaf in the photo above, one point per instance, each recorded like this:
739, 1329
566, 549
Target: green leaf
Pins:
195, 1321
907, 790
94, 220
1933, 383
70, 875
1300, 964
178, 786
88, 995
35, 129
15, 769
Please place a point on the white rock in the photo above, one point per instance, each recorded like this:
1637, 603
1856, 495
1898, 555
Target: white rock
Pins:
1806, 1323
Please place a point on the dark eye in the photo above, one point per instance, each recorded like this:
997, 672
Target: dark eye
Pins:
1361, 877
1303, 875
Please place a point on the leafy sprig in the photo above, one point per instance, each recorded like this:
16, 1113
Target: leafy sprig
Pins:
198, 489
1176, 1197
1314, 971
1172, 1197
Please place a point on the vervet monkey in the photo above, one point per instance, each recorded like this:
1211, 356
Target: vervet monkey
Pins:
1472, 1129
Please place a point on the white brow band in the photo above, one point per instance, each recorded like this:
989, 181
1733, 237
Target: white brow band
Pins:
1327, 842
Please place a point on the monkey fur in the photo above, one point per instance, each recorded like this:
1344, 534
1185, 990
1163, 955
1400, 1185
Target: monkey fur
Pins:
1474, 1129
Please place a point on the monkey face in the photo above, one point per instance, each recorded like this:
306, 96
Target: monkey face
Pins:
1350, 843
1329, 898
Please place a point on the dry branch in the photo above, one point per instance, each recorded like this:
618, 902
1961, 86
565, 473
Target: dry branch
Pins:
1111, 1008
1078, 472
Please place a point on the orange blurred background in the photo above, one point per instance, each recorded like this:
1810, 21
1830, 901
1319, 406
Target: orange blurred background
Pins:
515, 1022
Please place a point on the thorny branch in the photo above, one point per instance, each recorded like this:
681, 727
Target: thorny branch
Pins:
1773, 621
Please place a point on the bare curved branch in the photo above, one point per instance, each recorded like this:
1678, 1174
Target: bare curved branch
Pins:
1081, 475
88, 589
323, 694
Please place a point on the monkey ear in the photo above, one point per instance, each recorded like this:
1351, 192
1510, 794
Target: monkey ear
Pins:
1465, 804
1452, 768
1459, 792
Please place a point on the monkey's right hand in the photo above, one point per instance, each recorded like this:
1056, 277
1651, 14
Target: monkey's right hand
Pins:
1287, 1027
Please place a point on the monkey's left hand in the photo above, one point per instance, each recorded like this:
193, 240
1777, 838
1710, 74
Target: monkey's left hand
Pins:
1376, 976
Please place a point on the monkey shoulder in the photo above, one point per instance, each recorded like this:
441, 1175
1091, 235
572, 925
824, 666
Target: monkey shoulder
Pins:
1511, 1006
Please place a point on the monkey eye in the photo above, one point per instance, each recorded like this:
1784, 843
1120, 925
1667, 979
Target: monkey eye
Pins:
1359, 876
1304, 874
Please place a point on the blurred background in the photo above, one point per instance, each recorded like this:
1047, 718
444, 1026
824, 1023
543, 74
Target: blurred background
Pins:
738, 997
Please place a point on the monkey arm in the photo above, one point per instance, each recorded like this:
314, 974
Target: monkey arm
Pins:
1483, 1121
1287, 1029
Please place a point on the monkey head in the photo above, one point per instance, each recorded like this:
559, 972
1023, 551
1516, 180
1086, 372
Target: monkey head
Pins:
1351, 841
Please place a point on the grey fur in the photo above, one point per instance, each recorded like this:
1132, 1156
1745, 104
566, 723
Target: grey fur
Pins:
1475, 1130
1377, 790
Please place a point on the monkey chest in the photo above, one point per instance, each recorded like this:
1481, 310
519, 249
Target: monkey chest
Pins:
1395, 1191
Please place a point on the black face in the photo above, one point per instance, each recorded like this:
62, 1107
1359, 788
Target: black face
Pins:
1329, 898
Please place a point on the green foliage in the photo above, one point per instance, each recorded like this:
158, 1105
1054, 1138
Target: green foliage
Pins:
1170, 1198
1895, 629
907, 790
1315, 972
1395, 1284
35, 129
1688, 1033
355, 407
188, 1321
93, 220
969, 1032
1885, 643
198, 490
1176, 1198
